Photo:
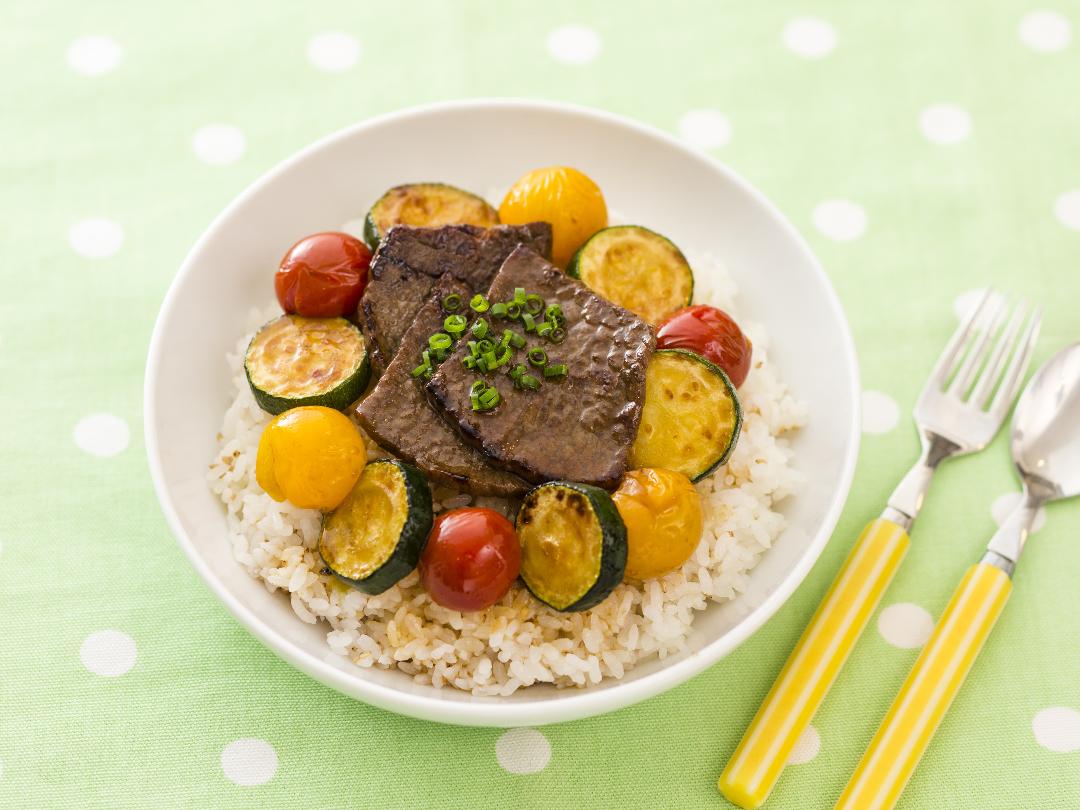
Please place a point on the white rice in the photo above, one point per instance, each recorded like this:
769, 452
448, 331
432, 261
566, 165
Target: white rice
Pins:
519, 641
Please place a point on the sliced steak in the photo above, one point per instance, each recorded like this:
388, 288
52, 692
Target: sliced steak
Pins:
399, 416
410, 260
579, 428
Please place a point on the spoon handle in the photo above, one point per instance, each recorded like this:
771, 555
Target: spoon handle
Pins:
929, 689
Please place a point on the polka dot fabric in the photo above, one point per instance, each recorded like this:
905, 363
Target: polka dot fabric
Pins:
925, 153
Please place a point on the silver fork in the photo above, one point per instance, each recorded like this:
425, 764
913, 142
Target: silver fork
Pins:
961, 407
955, 414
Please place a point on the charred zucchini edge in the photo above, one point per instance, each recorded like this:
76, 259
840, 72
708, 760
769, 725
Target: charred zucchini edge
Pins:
411, 539
613, 547
373, 235
723, 455
338, 397
681, 265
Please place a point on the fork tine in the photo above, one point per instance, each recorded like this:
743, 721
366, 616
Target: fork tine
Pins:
973, 362
1010, 383
1002, 349
953, 350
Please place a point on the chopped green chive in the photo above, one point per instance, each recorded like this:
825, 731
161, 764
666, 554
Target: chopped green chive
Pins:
490, 360
555, 370
534, 304
529, 321
558, 335
519, 296
452, 302
498, 310
477, 386
479, 303
529, 382
484, 346
480, 328
544, 329
504, 358
455, 325
513, 311
517, 341
537, 356
474, 348
440, 340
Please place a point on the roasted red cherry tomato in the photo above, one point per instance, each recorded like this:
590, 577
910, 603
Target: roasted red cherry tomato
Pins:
712, 333
323, 276
471, 559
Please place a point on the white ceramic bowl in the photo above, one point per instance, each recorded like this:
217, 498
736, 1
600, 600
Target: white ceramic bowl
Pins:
646, 175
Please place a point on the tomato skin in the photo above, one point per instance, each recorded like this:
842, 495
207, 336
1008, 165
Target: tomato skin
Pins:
662, 513
311, 456
323, 275
713, 334
562, 196
471, 559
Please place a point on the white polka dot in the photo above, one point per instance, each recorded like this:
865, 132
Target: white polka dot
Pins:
108, 652
94, 55
705, 129
249, 761
355, 227
1045, 31
880, 413
522, 751
809, 37
574, 44
905, 625
1067, 209
806, 747
1057, 728
333, 51
219, 144
1004, 504
841, 220
96, 238
969, 299
945, 123
102, 434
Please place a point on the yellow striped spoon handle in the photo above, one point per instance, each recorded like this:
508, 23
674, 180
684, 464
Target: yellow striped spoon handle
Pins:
929, 689
814, 663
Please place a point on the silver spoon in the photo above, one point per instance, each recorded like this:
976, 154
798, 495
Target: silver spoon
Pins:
1046, 450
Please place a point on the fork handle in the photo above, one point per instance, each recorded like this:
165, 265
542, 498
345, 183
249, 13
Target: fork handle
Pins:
814, 663
929, 689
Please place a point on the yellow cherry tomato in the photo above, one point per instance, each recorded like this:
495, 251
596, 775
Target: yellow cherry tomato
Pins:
566, 198
662, 513
311, 456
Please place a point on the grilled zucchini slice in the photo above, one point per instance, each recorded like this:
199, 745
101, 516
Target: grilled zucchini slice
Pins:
573, 544
294, 361
426, 205
376, 535
636, 268
691, 417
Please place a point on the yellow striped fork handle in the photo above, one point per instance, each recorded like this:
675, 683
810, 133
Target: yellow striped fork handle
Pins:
929, 689
814, 663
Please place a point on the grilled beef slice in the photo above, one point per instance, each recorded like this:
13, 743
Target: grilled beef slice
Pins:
399, 416
578, 428
410, 260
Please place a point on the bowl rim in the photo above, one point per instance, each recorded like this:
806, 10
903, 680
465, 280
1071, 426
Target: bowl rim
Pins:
569, 704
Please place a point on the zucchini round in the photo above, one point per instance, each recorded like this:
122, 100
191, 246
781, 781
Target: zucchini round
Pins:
691, 417
376, 535
426, 205
573, 544
636, 268
294, 361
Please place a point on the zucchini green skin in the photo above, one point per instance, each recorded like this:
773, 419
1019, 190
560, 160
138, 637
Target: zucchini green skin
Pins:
736, 406
613, 546
574, 268
411, 541
339, 397
373, 236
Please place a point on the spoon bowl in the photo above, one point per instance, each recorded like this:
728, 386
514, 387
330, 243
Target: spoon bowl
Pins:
1046, 428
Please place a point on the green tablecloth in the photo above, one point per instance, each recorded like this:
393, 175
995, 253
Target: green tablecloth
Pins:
925, 148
